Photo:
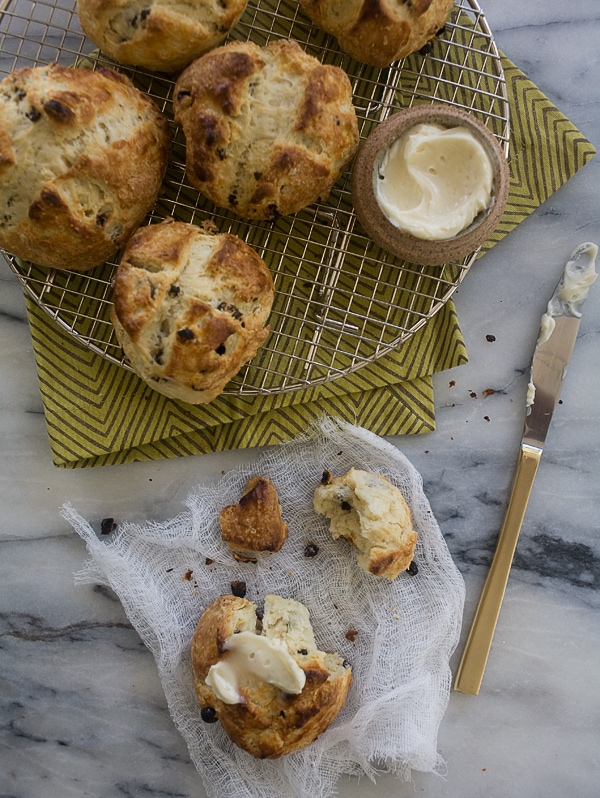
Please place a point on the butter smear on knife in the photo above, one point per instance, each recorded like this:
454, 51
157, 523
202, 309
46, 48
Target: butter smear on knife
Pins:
571, 292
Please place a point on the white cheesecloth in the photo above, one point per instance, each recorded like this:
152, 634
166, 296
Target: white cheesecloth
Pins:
405, 629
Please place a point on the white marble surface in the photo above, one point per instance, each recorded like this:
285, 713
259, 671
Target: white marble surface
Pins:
82, 712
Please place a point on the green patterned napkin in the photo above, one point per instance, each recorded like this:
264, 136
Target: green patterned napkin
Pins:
100, 414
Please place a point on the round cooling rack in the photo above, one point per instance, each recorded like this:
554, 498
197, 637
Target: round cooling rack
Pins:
341, 301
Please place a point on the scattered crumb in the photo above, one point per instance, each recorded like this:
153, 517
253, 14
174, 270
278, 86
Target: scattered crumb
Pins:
107, 525
472, 394
187, 577
351, 635
452, 383
490, 338
486, 418
489, 392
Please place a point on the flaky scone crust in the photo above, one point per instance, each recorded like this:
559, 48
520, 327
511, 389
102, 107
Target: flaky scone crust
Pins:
255, 523
378, 32
190, 308
162, 35
270, 723
268, 130
82, 158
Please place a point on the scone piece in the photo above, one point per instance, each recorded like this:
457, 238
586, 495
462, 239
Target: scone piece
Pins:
369, 512
190, 308
163, 35
381, 31
268, 130
255, 523
280, 691
82, 158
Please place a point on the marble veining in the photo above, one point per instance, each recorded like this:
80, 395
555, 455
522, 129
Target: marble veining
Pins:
82, 712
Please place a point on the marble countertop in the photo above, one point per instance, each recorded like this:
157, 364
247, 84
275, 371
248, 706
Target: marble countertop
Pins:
82, 710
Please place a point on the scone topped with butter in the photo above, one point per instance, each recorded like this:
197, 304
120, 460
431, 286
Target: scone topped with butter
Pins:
265, 680
370, 513
268, 129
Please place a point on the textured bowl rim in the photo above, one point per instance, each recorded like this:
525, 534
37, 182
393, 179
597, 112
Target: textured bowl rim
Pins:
376, 223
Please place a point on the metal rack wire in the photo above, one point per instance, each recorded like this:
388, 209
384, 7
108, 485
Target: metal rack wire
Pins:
341, 301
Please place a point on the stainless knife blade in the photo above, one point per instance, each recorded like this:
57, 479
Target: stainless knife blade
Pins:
553, 350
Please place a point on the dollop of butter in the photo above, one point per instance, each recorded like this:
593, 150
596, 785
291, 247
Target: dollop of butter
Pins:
253, 658
433, 181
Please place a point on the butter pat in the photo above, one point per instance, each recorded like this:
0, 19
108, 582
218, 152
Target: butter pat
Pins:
433, 181
253, 658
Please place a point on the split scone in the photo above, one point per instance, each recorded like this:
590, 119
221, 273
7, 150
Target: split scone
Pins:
255, 523
190, 308
370, 513
265, 680
162, 35
82, 158
268, 129
378, 32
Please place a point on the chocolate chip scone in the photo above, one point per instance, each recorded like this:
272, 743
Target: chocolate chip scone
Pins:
190, 308
82, 158
370, 513
378, 32
163, 35
268, 130
265, 680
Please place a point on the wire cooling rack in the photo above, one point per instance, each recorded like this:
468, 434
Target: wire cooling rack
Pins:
341, 302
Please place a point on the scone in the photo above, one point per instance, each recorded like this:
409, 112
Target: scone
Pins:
82, 158
266, 682
268, 130
190, 308
370, 513
163, 35
255, 523
378, 32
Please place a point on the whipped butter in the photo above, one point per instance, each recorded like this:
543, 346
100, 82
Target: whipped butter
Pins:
253, 658
433, 181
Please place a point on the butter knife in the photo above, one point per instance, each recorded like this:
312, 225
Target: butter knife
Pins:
558, 332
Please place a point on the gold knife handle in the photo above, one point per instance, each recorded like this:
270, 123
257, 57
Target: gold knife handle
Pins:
477, 648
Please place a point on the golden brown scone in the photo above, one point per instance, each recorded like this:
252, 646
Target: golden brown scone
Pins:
255, 523
190, 308
378, 32
163, 35
82, 158
268, 130
268, 722
369, 512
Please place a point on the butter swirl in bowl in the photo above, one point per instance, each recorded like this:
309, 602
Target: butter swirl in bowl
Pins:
430, 184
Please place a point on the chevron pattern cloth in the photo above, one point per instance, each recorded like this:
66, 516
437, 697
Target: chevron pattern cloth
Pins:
99, 414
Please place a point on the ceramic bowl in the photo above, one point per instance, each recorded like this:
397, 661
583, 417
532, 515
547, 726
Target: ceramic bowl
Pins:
377, 224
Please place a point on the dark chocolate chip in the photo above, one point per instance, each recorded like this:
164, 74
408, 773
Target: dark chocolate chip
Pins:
221, 349
158, 357
209, 715
101, 219
238, 589
303, 651
311, 550
326, 478
347, 507
174, 290
183, 93
33, 114
185, 334
413, 569
107, 525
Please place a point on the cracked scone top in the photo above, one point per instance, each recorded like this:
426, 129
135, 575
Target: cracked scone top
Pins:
162, 35
378, 32
190, 308
370, 513
82, 158
268, 130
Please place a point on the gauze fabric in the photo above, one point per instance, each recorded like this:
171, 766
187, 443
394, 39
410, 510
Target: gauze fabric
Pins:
398, 635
